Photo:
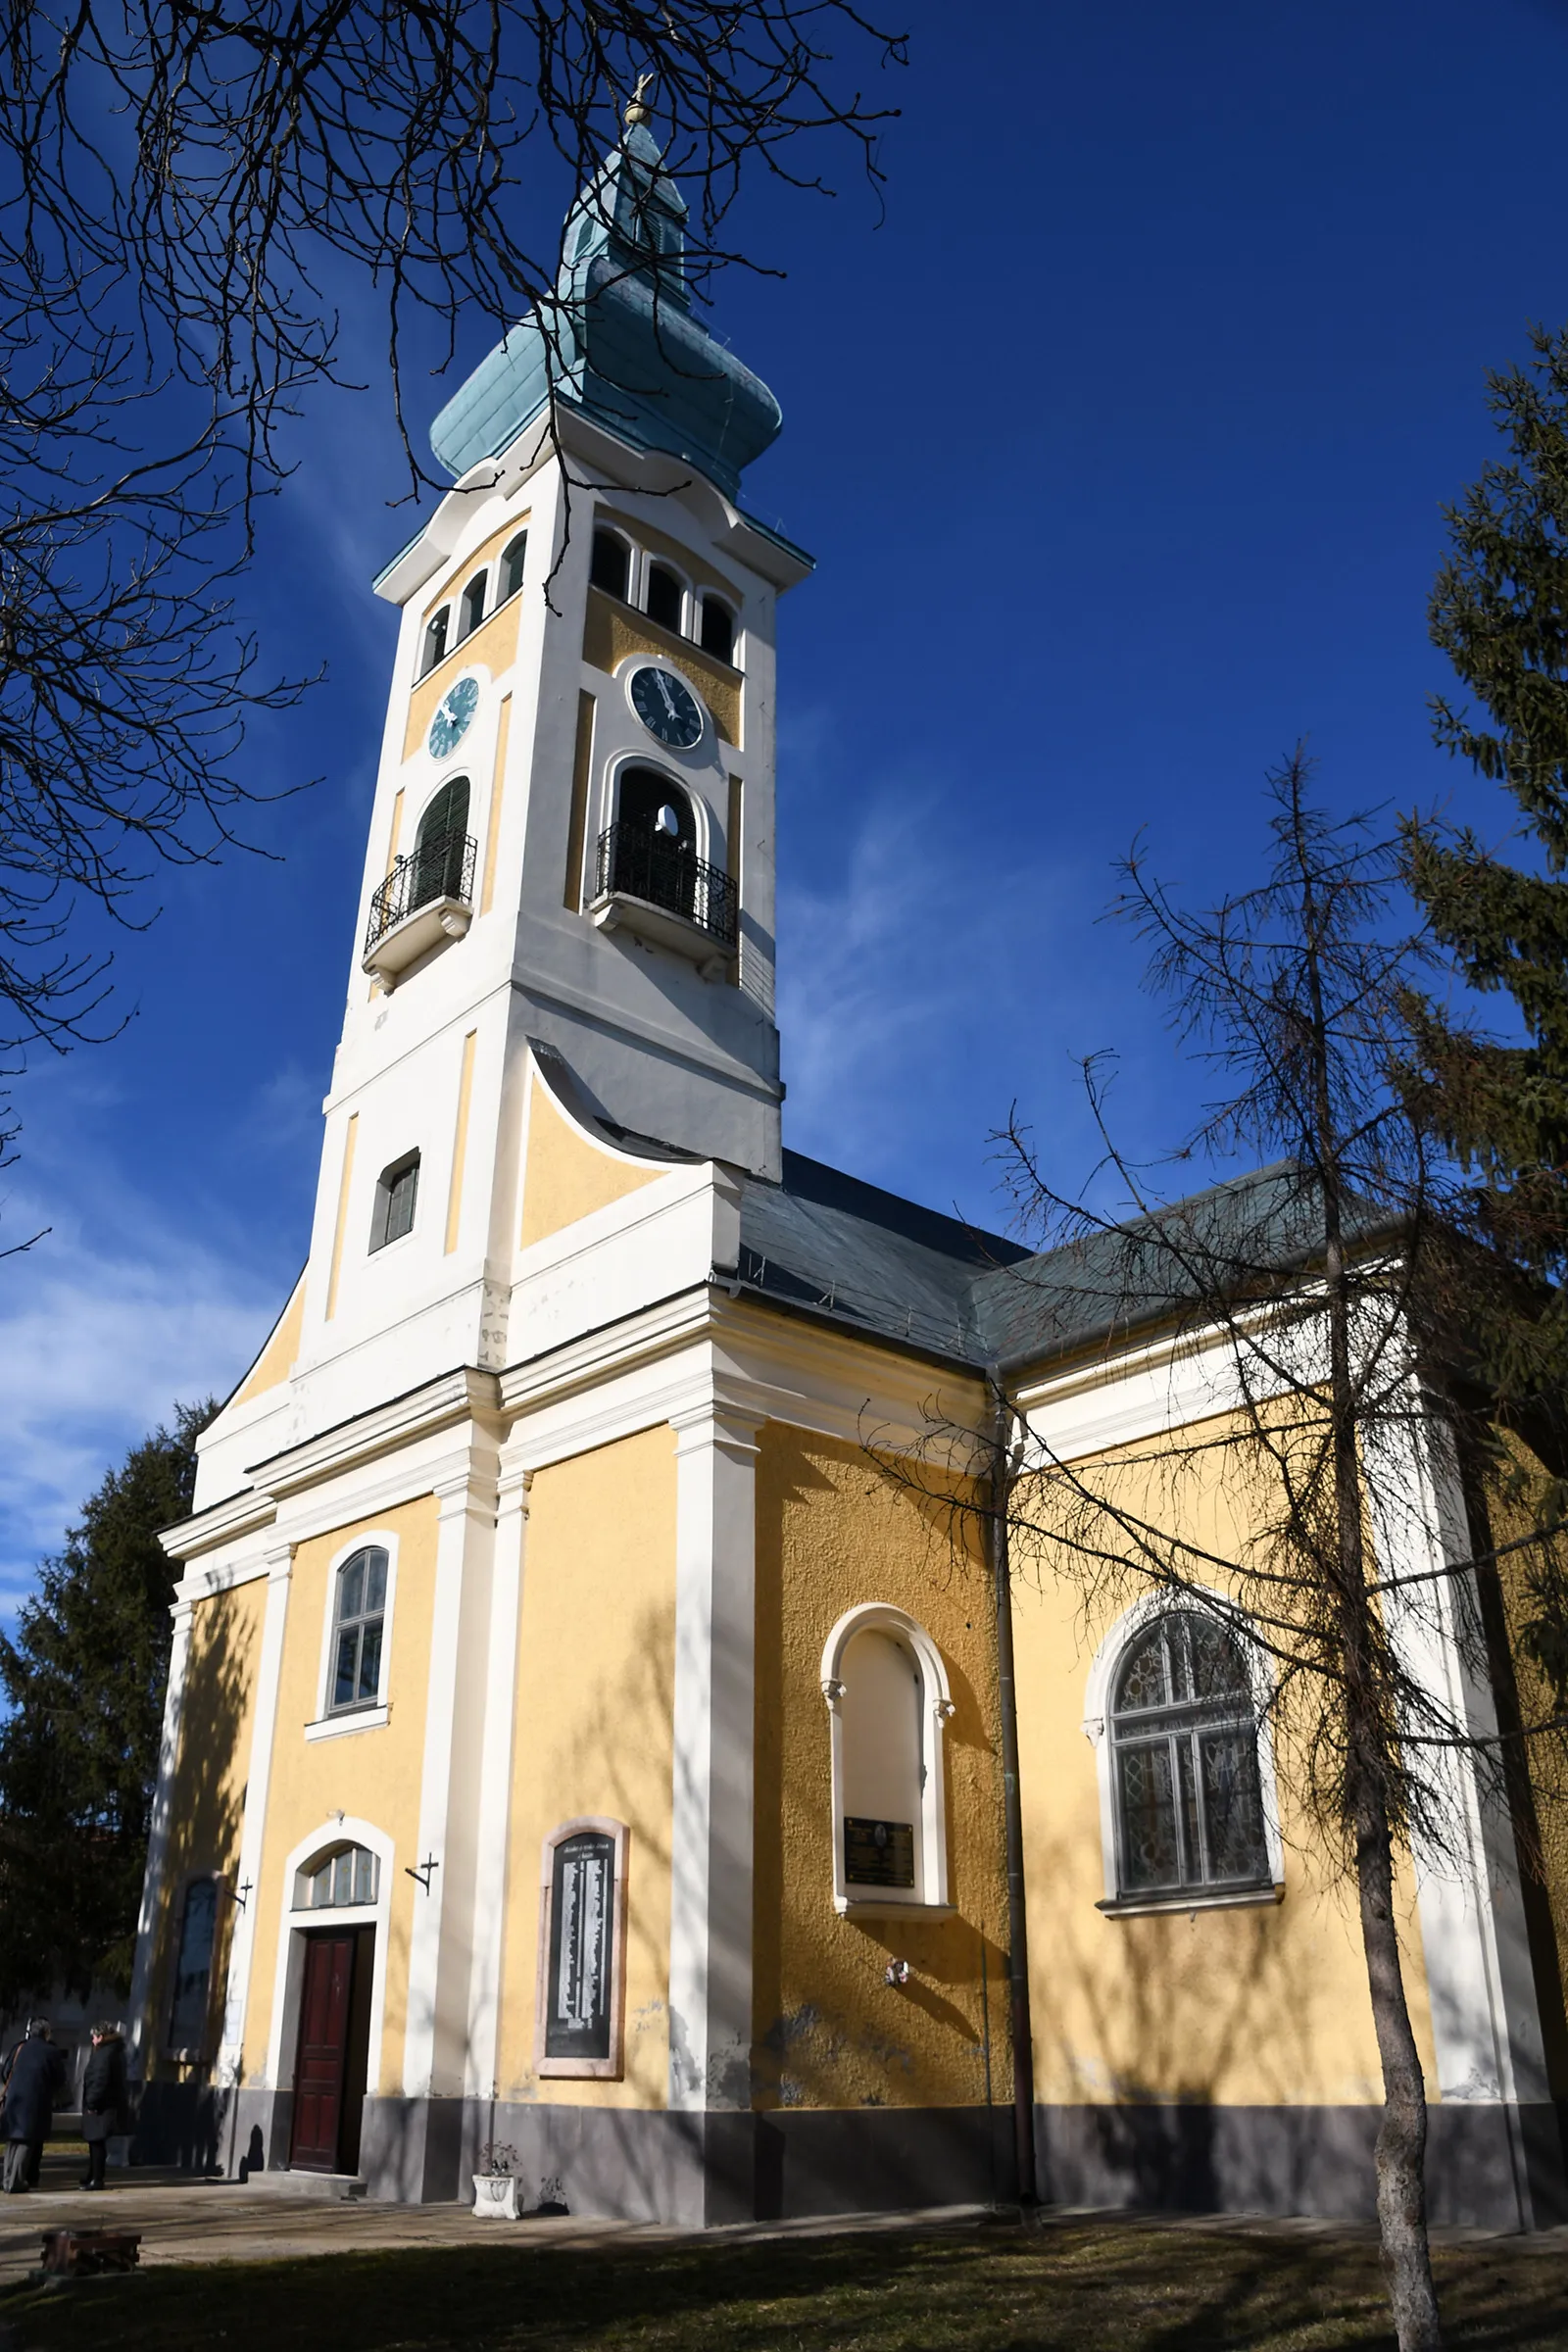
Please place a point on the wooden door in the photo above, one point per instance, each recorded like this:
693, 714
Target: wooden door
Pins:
325, 1998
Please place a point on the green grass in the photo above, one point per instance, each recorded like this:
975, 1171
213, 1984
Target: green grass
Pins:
1115, 2287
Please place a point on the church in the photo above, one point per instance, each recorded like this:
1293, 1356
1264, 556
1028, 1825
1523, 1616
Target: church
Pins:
575, 1745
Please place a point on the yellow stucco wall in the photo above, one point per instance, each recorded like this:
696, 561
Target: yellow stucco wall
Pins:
1265, 2005
829, 2030
1531, 1596
612, 631
277, 1359
375, 1775
594, 1735
566, 1175
491, 646
210, 1774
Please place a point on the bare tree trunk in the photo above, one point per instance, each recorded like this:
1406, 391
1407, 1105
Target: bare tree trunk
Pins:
1402, 2133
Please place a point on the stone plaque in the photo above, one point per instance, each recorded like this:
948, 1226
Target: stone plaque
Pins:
878, 1853
582, 1906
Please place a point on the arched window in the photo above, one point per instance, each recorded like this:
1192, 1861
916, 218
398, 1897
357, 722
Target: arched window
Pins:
513, 558
349, 1876
1183, 1733
611, 568
471, 611
665, 597
441, 845
359, 1618
435, 639
718, 628
397, 1192
653, 843
884, 1682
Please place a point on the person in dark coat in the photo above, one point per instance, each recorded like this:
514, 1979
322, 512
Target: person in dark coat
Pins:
103, 2100
34, 2079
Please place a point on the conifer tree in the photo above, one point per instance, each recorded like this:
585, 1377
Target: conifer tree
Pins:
1500, 612
84, 1677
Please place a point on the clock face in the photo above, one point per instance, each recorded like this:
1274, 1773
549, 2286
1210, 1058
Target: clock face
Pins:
450, 721
668, 708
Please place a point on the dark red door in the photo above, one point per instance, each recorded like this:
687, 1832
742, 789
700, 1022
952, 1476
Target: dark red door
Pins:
325, 2002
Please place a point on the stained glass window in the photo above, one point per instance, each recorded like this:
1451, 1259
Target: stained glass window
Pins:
1184, 1755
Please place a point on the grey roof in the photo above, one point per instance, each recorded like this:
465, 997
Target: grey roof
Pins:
828, 1244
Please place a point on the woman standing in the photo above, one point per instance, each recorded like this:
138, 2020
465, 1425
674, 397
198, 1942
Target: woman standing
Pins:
103, 2100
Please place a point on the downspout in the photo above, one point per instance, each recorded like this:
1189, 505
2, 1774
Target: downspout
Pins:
1022, 2032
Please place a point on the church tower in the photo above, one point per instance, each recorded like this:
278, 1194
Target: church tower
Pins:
570, 854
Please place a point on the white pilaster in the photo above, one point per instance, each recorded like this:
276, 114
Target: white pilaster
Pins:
152, 1885
440, 1945
1485, 2022
248, 1872
710, 1839
493, 1833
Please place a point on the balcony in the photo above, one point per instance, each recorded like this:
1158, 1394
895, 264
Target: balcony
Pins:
653, 884
427, 897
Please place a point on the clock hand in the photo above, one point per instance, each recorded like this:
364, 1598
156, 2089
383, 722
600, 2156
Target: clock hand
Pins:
665, 691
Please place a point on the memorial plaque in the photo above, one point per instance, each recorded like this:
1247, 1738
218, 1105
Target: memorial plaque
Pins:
582, 1909
878, 1853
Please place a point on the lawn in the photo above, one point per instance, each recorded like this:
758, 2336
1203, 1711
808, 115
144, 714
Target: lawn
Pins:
1125, 2287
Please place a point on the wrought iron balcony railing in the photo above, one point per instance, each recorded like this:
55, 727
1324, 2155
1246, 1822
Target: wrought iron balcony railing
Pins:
441, 868
636, 861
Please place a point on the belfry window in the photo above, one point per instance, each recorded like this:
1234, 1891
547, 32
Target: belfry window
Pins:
611, 568
513, 558
359, 1617
718, 630
435, 639
653, 850
397, 1192
1184, 1763
665, 597
471, 610
440, 847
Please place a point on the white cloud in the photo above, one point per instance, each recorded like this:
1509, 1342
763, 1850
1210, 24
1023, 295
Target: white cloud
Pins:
97, 1343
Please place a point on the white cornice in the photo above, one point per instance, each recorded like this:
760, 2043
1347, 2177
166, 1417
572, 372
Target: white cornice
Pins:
463, 1394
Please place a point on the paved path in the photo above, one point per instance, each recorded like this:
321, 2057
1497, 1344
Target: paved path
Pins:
187, 2220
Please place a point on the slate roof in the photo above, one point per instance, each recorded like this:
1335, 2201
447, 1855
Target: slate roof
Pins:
826, 1244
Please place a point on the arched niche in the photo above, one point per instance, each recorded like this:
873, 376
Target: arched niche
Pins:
888, 1702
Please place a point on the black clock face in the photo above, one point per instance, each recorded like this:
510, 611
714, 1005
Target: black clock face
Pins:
668, 708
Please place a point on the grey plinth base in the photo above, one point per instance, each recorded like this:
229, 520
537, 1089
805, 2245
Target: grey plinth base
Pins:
1487, 2165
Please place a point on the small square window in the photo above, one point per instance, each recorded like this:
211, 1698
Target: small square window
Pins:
397, 1191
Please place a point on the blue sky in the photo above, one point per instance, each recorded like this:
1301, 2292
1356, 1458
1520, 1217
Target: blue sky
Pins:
1121, 443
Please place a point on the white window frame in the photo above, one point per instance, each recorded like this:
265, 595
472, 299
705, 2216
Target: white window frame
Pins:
340, 1829
380, 1250
325, 1726
428, 669
936, 1710
1097, 1695
696, 801
486, 573
522, 532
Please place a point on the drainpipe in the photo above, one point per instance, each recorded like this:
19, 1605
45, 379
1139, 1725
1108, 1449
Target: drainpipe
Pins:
1023, 2055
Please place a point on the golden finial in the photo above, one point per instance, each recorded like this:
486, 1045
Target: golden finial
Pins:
636, 111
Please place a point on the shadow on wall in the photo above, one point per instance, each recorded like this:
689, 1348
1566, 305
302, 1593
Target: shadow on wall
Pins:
1172, 2013
182, 2114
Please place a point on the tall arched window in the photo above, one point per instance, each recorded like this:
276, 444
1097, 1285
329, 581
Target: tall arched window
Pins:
359, 1620
665, 597
1184, 1758
514, 559
611, 568
440, 847
654, 842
